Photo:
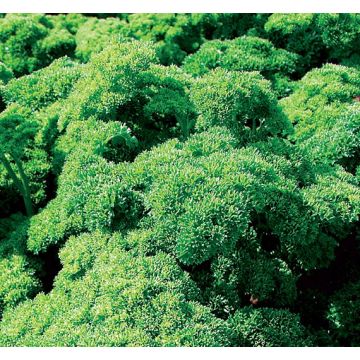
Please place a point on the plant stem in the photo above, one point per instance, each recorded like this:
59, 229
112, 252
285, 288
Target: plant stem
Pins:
26, 187
254, 126
22, 185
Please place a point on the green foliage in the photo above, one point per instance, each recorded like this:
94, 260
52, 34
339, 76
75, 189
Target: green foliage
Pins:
89, 197
119, 300
111, 80
15, 135
336, 197
340, 34
123, 83
247, 274
326, 114
171, 199
111, 140
246, 53
43, 87
95, 34
70, 22
229, 26
318, 38
17, 268
241, 101
79, 255
31, 41
38, 96
118, 84
24, 163
19, 51
16, 281
344, 314
30, 130
295, 33
214, 206
176, 35
5, 74
269, 327
168, 108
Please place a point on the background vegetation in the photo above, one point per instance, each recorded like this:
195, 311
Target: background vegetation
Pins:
179, 180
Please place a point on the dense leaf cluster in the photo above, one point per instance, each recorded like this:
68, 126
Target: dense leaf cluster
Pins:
179, 180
